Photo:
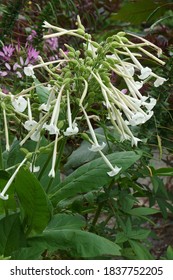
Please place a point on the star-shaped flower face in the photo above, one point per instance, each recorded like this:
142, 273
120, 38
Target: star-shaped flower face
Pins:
28, 125
71, 130
19, 104
51, 128
29, 71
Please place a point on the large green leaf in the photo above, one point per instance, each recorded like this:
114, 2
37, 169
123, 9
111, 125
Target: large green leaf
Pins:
83, 155
64, 221
11, 235
28, 253
33, 200
139, 11
82, 244
92, 175
10, 203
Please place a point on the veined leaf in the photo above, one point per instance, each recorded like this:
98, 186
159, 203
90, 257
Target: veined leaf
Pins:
33, 200
81, 243
11, 235
92, 175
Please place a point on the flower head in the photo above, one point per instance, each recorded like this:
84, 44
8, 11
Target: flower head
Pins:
19, 104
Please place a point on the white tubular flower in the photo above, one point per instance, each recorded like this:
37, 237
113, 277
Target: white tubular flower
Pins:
72, 129
134, 141
84, 93
52, 171
95, 147
6, 131
92, 49
52, 127
159, 81
35, 136
34, 168
114, 170
138, 84
137, 118
149, 106
46, 106
145, 73
2, 194
28, 70
19, 104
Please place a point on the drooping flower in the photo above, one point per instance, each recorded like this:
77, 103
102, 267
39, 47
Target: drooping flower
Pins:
159, 81
52, 127
3, 194
72, 129
95, 145
145, 73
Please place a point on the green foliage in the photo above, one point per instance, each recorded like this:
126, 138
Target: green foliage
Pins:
82, 213
139, 11
33, 201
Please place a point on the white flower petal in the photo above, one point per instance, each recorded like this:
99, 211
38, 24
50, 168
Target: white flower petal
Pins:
3, 197
35, 136
114, 172
19, 104
28, 125
159, 81
145, 73
29, 71
45, 107
137, 118
71, 131
51, 128
97, 147
34, 168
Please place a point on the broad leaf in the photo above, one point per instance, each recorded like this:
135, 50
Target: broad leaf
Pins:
137, 12
33, 200
92, 175
28, 253
11, 235
82, 244
64, 221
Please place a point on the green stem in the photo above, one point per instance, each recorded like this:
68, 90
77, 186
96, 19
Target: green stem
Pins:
97, 214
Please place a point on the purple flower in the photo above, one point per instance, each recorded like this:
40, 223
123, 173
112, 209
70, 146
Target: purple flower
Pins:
7, 52
32, 36
32, 55
51, 44
3, 73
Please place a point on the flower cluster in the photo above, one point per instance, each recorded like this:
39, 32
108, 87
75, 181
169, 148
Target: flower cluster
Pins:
13, 59
79, 80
